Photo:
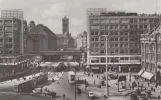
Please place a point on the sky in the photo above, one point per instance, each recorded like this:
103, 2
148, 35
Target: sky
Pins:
51, 12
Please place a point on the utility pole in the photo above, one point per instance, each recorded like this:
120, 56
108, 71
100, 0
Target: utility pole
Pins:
156, 58
107, 87
75, 87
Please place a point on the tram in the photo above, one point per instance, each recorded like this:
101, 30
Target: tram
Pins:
29, 85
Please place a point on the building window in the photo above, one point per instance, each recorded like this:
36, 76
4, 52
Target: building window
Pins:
131, 51
103, 39
96, 39
116, 39
112, 33
103, 59
102, 45
145, 26
112, 51
121, 39
121, 51
102, 27
92, 33
126, 39
102, 33
102, 51
126, 33
116, 45
111, 45
116, 51
1, 40
116, 33
96, 33
112, 39
10, 39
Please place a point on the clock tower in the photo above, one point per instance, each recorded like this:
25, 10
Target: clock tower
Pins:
65, 25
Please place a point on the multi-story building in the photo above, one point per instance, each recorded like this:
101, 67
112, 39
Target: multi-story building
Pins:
11, 60
13, 29
81, 40
122, 31
41, 38
151, 55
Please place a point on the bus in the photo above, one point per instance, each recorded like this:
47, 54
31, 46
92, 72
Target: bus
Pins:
71, 77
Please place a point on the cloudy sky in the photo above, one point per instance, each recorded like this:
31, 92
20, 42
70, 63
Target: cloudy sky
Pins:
50, 12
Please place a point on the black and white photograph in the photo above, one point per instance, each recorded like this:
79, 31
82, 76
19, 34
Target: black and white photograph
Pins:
80, 49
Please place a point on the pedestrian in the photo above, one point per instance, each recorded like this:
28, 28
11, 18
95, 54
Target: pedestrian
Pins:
63, 95
141, 86
151, 88
158, 97
154, 89
94, 81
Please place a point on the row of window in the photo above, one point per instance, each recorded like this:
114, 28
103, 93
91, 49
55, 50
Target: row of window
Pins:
116, 33
116, 39
132, 20
106, 27
116, 51
102, 45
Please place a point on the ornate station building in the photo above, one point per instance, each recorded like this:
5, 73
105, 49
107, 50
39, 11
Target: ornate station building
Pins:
151, 55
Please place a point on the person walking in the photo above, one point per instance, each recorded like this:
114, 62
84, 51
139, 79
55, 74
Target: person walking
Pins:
63, 95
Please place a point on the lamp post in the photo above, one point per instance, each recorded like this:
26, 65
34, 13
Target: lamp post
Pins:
107, 87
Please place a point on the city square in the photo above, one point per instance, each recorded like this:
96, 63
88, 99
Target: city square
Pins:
80, 50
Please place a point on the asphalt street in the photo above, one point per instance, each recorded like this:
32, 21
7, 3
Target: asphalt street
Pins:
64, 87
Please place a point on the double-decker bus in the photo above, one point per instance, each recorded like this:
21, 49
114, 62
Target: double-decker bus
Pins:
71, 77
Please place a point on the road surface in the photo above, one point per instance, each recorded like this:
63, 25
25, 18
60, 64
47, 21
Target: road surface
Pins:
64, 87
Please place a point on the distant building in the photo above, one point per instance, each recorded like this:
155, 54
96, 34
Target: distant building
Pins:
81, 40
41, 38
122, 31
151, 54
64, 41
65, 25
13, 29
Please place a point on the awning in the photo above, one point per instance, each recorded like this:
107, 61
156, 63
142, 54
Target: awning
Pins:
95, 68
147, 75
141, 72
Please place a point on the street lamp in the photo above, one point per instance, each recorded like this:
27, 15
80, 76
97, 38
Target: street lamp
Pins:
107, 87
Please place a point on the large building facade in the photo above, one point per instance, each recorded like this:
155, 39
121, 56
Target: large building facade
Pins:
12, 40
151, 54
123, 31
41, 38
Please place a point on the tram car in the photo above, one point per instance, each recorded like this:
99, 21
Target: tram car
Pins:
25, 86
29, 85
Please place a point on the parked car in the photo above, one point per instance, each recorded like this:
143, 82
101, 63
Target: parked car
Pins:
91, 95
50, 94
37, 90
